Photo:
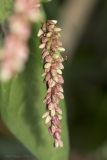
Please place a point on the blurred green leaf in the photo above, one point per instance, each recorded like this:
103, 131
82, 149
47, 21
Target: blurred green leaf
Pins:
5, 9
22, 109
45, 0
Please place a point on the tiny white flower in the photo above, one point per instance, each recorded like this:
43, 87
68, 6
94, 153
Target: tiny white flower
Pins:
42, 46
54, 21
45, 115
40, 33
61, 49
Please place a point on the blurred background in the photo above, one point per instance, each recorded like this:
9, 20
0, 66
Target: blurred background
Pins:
84, 25
84, 35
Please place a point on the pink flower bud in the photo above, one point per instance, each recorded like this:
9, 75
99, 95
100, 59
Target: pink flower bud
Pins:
47, 65
45, 54
59, 88
58, 110
55, 120
51, 83
48, 59
57, 135
60, 80
60, 66
48, 100
53, 72
50, 106
48, 76
60, 95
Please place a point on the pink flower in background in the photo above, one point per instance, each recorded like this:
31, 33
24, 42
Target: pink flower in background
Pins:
12, 45
15, 51
14, 57
30, 7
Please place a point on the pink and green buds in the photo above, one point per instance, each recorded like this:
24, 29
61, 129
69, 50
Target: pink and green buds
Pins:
51, 55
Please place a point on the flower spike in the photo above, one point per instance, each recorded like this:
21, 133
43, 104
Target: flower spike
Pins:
52, 63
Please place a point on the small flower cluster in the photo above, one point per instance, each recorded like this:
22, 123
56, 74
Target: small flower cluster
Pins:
51, 54
15, 51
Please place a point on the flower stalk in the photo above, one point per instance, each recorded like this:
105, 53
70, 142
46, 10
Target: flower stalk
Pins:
52, 63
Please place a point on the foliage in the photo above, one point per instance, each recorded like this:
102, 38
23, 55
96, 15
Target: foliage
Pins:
5, 9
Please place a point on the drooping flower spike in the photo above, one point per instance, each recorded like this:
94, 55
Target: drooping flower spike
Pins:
15, 51
52, 63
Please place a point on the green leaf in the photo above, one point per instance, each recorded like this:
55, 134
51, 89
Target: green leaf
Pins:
46, 0
22, 109
5, 9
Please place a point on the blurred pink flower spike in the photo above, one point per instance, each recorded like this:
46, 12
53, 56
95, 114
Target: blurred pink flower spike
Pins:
15, 51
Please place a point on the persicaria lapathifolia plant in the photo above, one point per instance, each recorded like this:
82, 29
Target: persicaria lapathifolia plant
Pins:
15, 52
51, 54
